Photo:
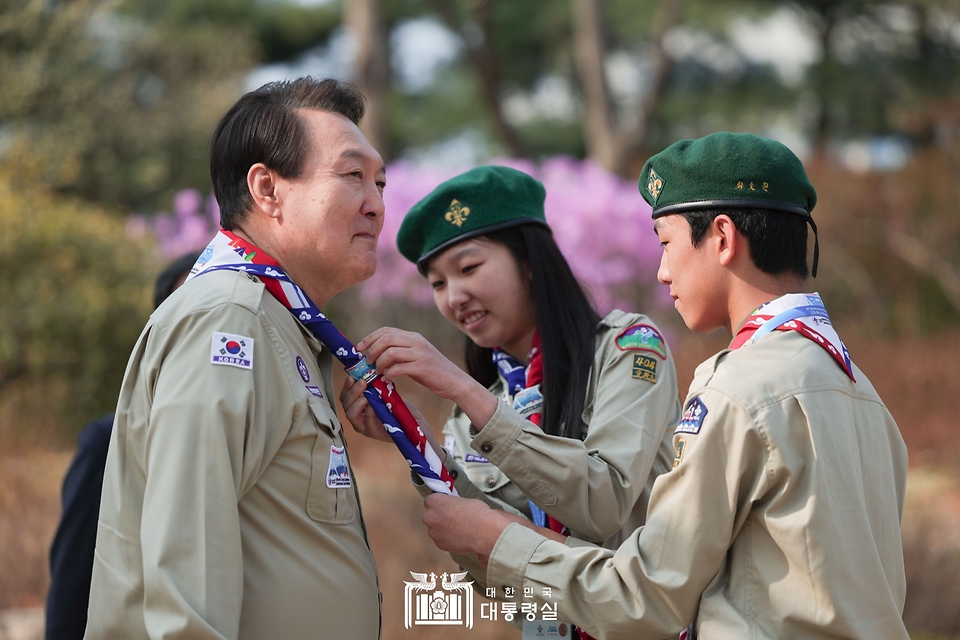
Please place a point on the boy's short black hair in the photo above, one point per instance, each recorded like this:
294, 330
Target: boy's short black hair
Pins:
778, 240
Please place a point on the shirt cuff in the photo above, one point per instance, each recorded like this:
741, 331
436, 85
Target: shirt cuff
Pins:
502, 430
508, 560
574, 543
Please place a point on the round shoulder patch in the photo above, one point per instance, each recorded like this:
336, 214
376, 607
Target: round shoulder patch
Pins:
642, 337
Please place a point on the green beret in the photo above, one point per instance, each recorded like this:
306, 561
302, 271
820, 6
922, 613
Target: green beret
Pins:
726, 171
729, 171
480, 201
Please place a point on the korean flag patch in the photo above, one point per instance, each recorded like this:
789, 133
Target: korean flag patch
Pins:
693, 417
231, 350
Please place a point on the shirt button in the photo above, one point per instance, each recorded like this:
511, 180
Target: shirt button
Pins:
486, 447
454, 474
473, 431
491, 481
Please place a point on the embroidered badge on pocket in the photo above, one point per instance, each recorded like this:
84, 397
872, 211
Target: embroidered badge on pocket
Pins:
338, 473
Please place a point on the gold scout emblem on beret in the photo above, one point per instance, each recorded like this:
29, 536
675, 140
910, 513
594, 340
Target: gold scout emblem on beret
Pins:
457, 214
654, 185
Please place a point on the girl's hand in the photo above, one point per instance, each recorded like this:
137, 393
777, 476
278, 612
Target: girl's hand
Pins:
404, 353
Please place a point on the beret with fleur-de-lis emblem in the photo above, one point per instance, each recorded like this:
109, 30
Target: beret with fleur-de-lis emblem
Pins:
480, 201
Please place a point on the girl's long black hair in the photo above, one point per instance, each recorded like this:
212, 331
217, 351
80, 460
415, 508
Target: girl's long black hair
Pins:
567, 323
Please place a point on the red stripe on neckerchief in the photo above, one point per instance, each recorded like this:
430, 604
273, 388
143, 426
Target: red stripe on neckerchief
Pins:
517, 381
522, 383
227, 251
534, 375
799, 312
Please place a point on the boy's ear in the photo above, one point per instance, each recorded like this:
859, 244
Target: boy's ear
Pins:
729, 242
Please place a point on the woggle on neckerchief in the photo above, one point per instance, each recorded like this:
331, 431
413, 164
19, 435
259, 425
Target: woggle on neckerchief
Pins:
229, 252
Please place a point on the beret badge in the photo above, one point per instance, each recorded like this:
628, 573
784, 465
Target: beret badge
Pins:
654, 185
457, 213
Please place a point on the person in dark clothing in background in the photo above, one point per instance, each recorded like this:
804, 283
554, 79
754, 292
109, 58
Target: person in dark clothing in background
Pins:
71, 554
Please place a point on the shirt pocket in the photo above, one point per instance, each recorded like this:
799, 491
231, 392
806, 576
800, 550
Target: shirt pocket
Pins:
331, 505
485, 475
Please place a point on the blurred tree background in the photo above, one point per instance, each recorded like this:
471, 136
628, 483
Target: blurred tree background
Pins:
106, 107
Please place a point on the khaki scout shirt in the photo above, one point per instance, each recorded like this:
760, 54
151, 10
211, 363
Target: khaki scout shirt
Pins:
217, 520
781, 519
599, 486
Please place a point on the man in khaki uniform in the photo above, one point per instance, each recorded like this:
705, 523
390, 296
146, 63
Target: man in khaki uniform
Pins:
781, 518
229, 507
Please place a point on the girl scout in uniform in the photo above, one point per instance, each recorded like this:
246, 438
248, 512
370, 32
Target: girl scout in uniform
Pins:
565, 417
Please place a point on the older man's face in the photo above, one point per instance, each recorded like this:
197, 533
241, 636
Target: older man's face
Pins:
333, 213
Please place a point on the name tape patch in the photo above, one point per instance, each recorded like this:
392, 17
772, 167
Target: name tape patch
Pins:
644, 367
693, 417
232, 350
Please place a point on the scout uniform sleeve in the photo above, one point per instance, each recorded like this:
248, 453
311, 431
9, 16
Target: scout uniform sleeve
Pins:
466, 489
651, 586
205, 447
602, 477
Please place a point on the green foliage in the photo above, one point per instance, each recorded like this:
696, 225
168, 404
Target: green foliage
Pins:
279, 30
109, 107
76, 293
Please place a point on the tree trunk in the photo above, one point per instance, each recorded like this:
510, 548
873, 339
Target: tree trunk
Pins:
588, 53
609, 143
481, 57
372, 67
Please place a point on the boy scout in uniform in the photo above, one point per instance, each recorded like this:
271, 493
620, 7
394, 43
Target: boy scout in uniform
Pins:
781, 518
229, 509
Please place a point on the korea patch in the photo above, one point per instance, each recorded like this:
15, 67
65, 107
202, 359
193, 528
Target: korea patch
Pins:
693, 417
644, 367
338, 473
231, 350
